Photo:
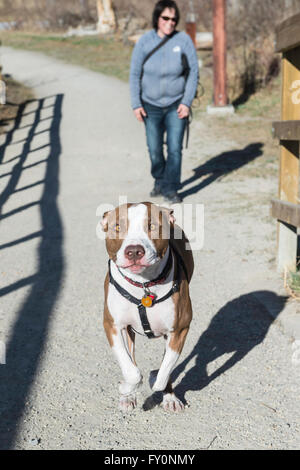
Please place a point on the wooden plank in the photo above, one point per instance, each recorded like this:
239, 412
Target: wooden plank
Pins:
294, 19
288, 34
287, 248
286, 130
289, 162
288, 42
289, 149
288, 191
286, 212
289, 171
290, 85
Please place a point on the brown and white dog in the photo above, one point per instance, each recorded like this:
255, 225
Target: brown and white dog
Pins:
146, 292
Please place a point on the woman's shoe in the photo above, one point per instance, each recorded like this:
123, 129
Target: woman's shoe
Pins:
156, 191
173, 198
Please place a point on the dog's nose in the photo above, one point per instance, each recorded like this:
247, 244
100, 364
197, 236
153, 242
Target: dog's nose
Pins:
134, 252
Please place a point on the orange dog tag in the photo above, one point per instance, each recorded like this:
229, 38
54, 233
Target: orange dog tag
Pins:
147, 300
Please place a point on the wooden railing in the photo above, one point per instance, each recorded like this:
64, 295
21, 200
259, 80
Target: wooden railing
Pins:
286, 209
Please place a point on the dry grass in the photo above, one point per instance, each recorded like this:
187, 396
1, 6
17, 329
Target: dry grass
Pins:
101, 54
16, 93
292, 284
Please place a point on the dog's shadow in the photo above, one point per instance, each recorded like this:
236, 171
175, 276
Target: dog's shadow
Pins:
236, 329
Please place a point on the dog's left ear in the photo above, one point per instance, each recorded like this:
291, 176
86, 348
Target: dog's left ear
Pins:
172, 219
104, 221
169, 214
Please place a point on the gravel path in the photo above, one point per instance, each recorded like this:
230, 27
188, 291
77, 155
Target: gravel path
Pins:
73, 149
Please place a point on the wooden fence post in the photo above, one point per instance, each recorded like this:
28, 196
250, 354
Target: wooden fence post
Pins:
219, 52
288, 131
190, 23
220, 100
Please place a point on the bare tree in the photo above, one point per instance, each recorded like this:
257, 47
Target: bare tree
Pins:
84, 4
106, 17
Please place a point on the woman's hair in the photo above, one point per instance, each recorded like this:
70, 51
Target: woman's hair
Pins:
160, 7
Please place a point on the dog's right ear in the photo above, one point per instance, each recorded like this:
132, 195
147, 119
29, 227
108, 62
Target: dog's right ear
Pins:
104, 221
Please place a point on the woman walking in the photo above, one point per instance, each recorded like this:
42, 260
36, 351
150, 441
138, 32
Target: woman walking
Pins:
162, 93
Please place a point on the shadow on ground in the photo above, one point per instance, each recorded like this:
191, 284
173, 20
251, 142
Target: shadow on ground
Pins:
220, 166
27, 340
235, 330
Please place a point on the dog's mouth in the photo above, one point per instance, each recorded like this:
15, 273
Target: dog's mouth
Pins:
135, 267
137, 264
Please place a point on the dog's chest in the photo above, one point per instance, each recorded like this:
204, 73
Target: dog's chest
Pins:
161, 316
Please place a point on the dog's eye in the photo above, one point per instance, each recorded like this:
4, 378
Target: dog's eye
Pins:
152, 226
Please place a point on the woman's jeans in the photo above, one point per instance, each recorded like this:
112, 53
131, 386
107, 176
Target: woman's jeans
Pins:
166, 172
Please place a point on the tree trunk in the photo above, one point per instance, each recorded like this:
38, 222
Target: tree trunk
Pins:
219, 52
106, 17
84, 5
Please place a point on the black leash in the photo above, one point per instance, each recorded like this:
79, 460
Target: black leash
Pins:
160, 44
188, 122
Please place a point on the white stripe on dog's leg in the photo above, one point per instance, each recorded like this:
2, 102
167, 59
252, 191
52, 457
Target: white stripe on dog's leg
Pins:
168, 364
131, 373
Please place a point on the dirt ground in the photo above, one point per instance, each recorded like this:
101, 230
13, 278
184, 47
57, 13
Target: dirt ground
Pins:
73, 149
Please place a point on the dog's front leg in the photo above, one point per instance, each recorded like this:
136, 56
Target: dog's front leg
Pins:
123, 348
160, 381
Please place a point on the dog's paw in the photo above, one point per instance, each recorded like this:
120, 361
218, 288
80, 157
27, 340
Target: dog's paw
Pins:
128, 403
171, 403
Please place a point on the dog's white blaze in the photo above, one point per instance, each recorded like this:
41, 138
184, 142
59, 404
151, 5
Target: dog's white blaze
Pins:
136, 218
136, 234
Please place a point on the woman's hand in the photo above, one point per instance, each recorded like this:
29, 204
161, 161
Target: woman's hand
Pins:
140, 113
183, 111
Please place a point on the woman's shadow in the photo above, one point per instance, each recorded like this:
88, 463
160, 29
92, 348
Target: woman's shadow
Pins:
236, 329
221, 165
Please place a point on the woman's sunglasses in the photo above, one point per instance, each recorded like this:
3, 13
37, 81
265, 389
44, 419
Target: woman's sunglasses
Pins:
167, 18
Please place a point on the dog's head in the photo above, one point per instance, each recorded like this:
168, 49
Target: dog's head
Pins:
137, 235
